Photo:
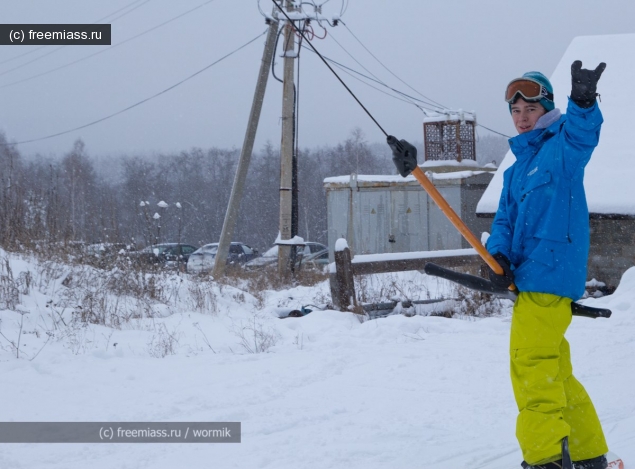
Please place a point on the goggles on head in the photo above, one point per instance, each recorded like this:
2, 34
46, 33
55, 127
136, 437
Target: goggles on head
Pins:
528, 89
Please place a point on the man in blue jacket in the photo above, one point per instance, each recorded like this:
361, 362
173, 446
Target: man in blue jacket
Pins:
540, 236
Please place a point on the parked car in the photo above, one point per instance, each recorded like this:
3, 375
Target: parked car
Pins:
270, 257
202, 260
317, 260
165, 255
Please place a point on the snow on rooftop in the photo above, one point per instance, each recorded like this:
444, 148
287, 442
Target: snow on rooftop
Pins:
462, 163
393, 179
451, 115
295, 241
610, 176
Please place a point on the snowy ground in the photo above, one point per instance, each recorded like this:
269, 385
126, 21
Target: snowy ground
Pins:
329, 392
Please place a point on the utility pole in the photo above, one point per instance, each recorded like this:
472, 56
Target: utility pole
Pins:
286, 147
245, 155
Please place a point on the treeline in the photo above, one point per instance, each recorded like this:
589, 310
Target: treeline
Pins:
73, 199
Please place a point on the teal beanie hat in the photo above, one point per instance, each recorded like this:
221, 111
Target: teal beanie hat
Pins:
544, 81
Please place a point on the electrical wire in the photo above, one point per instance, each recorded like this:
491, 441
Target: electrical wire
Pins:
493, 131
129, 11
345, 70
296, 122
31, 61
66, 45
143, 100
40, 47
350, 71
409, 99
117, 11
22, 55
344, 7
378, 80
260, 10
334, 72
388, 69
106, 49
273, 56
430, 101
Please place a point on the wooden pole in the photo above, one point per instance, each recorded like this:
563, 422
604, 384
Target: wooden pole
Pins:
235, 198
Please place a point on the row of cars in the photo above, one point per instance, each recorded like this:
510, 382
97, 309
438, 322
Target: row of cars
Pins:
310, 254
201, 260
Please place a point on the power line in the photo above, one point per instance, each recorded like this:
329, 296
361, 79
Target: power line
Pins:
378, 80
31, 61
273, 57
331, 69
350, 71
389, 70
40, 47
61, 47
344, 7
343, 68
493, 131
143, 100
409, 99
117, 11
129, 11
106, 49
22, 55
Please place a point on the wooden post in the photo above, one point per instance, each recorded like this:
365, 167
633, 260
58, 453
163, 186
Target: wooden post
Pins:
343, 285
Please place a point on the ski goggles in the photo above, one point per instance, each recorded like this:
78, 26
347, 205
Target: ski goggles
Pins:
528, 89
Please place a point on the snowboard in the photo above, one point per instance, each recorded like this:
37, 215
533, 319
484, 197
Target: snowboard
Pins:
615, 462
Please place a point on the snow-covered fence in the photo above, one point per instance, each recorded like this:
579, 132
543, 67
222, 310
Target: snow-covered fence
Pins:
345, 267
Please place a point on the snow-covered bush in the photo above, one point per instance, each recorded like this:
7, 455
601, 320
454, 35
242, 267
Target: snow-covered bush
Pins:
475, 304
256, 334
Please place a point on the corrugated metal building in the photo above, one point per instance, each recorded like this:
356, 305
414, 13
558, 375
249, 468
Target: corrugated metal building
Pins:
384, 214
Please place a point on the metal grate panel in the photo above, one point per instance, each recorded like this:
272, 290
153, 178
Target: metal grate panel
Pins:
449, 140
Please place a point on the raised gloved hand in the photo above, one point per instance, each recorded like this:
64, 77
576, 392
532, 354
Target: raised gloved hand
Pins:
584, 83
507, 278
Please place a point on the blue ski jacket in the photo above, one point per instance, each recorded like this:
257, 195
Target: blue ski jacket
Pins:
542, 222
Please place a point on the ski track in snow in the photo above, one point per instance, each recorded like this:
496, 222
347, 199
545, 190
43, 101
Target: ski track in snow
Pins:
397, 392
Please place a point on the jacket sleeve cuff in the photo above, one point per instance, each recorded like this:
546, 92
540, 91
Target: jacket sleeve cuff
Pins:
494, 248
587, 119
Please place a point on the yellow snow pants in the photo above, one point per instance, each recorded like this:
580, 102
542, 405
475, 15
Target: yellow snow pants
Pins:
552, 404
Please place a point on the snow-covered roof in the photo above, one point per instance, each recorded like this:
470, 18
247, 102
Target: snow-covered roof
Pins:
451, 115
610, 176
380, 180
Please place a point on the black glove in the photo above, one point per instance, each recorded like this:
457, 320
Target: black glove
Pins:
584, 83
507, 278
404, 155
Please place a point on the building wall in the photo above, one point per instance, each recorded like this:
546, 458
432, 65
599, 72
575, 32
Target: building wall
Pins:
612, 249
471, 193
377, 217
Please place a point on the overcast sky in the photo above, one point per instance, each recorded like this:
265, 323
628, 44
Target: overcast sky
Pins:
458, 53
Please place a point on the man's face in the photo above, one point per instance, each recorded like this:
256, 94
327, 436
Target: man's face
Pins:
525, 115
